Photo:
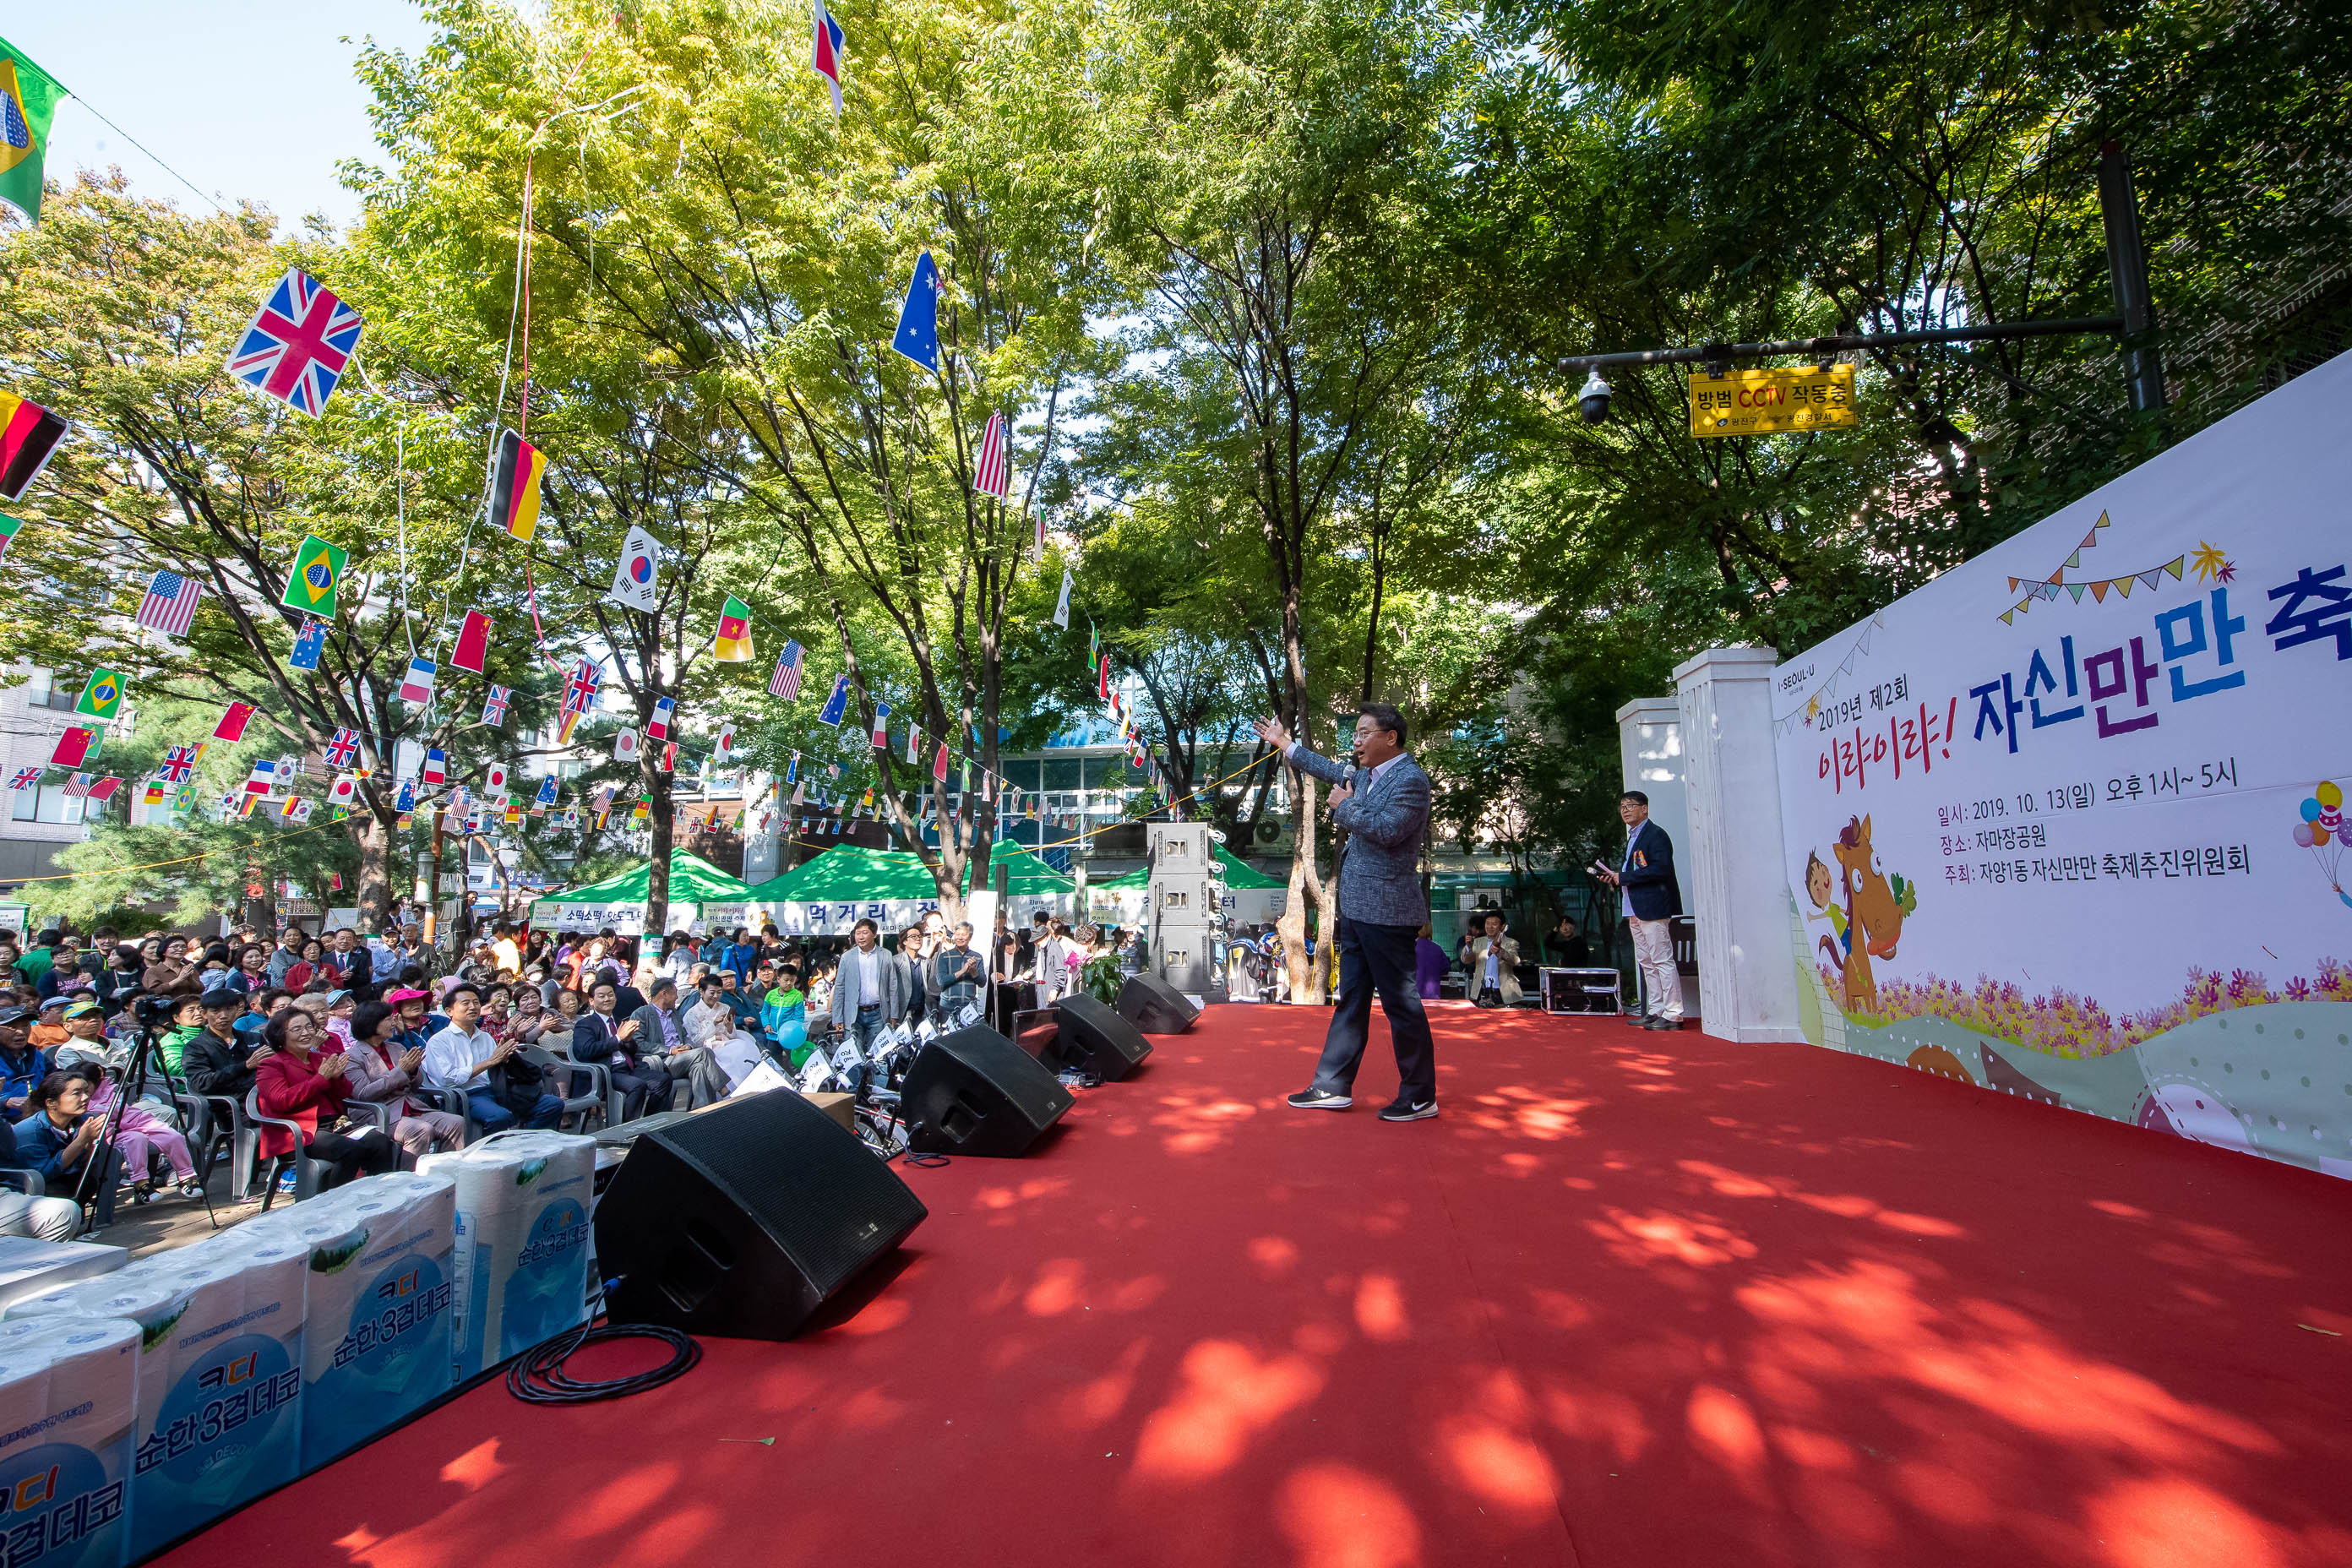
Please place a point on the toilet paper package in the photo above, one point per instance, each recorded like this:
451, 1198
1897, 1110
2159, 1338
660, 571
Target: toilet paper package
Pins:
68, 1401
219, 1379
378, 1308
521, 1259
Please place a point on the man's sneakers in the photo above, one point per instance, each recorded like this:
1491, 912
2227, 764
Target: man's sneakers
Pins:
1405, 1110
1319, 1099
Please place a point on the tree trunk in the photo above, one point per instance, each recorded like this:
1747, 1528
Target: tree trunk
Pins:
1306, 875
374, 894
663, 818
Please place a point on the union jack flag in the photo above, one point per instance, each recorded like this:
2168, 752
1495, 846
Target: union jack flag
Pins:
171, 604
345, 749
991, 476
25, 778
786, 682
494, 706
178, 766
298, 344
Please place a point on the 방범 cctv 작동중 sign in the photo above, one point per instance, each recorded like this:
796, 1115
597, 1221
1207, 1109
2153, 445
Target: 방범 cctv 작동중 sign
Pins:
1760, 401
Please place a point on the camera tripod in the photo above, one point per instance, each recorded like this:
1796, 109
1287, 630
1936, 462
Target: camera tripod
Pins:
99, 1166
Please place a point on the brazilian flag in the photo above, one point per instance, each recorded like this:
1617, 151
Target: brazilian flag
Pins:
28, 97
101, 698
318, 574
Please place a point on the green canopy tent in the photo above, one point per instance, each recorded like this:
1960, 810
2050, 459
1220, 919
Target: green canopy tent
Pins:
1239, 874
832, 892
1026, 875
847, 874
698, 891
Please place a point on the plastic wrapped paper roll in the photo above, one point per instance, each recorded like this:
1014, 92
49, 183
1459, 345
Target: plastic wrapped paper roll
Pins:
379, 1311
69, 1402
521, 1259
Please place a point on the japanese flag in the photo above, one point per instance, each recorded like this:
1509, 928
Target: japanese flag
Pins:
624, 745
494, 781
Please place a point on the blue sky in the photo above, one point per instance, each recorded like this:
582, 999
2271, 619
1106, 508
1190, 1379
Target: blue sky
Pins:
248, 99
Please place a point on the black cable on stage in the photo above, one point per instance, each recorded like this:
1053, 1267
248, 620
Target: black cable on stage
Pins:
537, 1375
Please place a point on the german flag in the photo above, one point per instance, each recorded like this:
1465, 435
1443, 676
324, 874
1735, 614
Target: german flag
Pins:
514, 486
29, 435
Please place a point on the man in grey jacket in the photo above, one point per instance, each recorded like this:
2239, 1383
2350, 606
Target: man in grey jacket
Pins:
658, 1034
1382, 803
869, 994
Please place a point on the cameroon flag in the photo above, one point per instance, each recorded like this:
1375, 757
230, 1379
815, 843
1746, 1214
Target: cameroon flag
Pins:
318, 574
734, 631
8, 527
28, 97
29, 435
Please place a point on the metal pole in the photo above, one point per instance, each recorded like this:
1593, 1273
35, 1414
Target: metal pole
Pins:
2127, 274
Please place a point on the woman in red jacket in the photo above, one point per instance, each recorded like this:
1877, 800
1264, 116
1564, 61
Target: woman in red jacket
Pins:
306, 1085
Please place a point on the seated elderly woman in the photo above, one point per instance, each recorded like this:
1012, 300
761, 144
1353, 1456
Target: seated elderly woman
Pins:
381, 1068
306, 1082
59, 1140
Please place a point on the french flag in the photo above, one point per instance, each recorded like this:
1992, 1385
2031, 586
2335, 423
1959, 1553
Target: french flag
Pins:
826, 57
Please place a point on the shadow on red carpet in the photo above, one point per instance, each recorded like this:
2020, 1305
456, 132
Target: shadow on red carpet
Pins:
1635, 1299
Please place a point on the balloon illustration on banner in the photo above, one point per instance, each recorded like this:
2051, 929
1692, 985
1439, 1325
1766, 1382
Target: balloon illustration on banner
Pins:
2321, 830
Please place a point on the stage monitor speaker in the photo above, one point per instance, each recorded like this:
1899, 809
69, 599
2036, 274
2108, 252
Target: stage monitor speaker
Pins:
742, 1220
1155, 1006
1095, 1039
976, 1092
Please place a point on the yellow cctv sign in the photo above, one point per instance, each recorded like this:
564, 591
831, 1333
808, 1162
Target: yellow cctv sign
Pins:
1760, 401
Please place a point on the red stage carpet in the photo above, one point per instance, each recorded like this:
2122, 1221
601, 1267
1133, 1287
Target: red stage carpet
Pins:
1636, 1298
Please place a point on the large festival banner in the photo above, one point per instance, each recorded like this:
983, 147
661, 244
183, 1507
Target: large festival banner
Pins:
2069, 820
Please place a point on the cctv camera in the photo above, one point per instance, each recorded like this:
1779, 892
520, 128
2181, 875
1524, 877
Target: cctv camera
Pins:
1594, 400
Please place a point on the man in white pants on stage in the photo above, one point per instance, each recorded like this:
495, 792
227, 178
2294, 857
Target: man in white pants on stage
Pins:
1647, 895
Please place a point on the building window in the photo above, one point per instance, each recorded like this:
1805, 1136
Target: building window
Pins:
45, 803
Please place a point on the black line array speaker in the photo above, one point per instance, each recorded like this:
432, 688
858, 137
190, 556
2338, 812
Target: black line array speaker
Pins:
976, 1092
1155, 1006
1094, 1038
743, 1220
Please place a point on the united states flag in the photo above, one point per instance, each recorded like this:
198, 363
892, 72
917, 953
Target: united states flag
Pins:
171, 604
298, 344
992, 476
786, 682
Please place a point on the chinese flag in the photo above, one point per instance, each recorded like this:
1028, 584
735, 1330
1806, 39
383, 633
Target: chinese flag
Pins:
232, 722
473, 647
73, 746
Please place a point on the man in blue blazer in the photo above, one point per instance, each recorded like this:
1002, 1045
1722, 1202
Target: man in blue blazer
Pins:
1382, 803
1648, 894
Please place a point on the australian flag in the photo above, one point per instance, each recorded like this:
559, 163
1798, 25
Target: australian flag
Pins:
918, 337
836, 705
298, 344
309, 643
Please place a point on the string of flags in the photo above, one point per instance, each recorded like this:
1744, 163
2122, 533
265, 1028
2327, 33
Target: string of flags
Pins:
296, 348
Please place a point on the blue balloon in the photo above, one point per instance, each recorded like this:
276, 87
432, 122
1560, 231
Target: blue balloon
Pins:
2311, 808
